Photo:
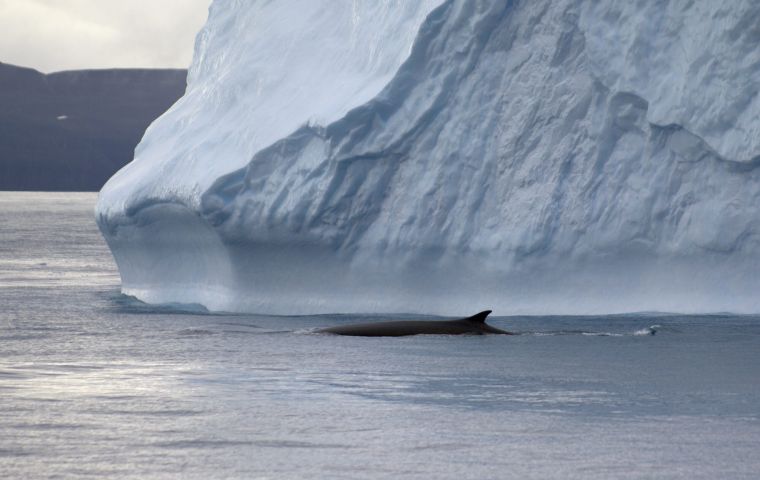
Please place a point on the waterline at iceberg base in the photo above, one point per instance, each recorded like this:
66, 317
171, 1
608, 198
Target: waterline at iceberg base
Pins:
542, 157
163, 260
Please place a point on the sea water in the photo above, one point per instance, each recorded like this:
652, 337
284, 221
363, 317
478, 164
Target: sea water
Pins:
96, 384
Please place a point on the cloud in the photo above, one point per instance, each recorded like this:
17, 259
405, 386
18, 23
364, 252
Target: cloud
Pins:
52, 35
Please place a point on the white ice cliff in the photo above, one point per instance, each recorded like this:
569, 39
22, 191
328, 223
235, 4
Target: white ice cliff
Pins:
446, 156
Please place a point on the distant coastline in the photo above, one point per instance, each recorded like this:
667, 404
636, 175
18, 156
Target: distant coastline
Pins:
72, 130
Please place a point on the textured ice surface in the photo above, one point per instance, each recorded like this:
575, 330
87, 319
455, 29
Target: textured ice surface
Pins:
538, 157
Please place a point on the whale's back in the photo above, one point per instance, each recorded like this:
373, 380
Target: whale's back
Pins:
474, 325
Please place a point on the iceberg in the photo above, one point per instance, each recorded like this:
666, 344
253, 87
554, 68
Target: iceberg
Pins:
437, 156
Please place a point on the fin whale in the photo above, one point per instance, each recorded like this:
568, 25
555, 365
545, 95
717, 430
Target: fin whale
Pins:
474, 325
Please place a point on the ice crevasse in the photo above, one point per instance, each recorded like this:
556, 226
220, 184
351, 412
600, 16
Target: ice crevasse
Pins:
440, 156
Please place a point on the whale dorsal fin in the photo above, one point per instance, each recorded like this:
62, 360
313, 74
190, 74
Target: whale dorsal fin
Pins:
479, 317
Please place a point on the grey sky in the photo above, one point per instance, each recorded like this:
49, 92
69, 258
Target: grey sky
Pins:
52, 35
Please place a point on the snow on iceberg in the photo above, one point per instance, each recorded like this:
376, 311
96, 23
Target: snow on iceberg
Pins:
548, 156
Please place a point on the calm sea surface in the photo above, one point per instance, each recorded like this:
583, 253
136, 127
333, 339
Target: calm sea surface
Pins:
95, 384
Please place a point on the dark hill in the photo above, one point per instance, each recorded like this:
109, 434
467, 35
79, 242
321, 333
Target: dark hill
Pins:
73, 130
